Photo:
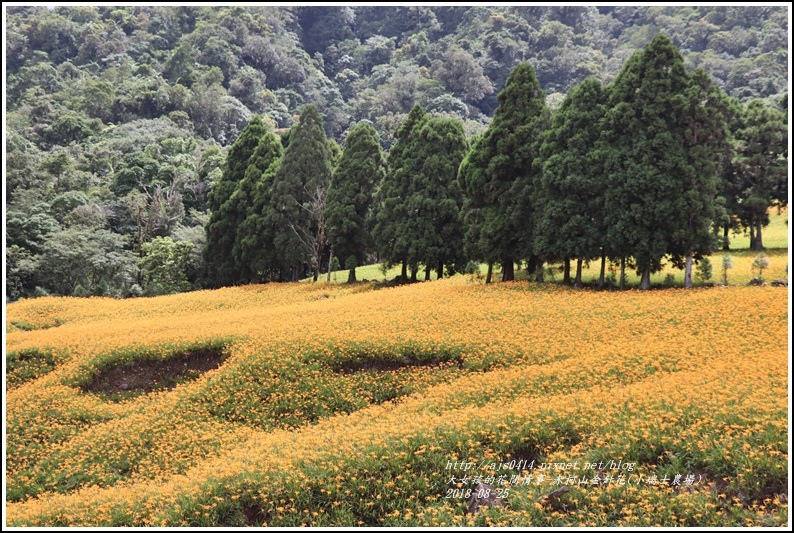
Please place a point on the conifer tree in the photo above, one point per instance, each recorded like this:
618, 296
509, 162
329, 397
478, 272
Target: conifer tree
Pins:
497, 174
708, 150
253, 247
225, 217
571, 224
391, 237
654, 160
298, 197
350, 196
761, 167
434, 204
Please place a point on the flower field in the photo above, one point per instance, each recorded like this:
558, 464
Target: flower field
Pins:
344, 405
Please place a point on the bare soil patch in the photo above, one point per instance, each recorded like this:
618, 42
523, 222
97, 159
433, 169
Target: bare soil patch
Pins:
390, 365
139, 377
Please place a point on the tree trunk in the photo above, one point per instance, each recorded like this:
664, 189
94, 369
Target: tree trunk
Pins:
578, 281
330, 260
688, 271
404, 272
539, 271
440, 269
507, 269
752, 235
490, 273
532, 264
414, 271
566, 271
622, 272
726, 243
645, 282
602, 276
758, 243
351, 277
427, 272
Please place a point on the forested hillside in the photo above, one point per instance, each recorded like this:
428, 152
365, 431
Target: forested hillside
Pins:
121, 122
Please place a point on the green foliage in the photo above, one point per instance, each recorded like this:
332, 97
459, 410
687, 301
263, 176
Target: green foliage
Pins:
180, 67
760, 167
227, 214
135, 290
665, 129
30, 230
761, 261
473, 270
462, 75
253, 245
21, 267
134, 109
435, 198
351, 193
391, 237
74, 256
298, 196
571, 190
39, 292
69, 128
163, 266
704, 270
472, 267
498, 177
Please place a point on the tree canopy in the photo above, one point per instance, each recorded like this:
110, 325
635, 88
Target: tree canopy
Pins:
131, 120
350, 196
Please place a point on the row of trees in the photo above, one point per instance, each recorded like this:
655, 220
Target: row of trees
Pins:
657, 164
640, 170
119, 119
280, 214
269, 207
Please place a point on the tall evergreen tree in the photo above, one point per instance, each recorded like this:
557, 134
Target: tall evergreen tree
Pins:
253, 248
571, 223
391, 236
730, 185
650, 166
350, 196
298, 197
760, 167
708, 149
435, 200
497, 173
225, 216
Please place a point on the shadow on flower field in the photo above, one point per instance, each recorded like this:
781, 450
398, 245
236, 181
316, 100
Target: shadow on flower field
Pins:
330, 405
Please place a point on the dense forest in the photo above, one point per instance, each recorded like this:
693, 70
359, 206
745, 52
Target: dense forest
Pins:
159, 149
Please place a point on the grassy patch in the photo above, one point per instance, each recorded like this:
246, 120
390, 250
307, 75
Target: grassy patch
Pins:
31, 363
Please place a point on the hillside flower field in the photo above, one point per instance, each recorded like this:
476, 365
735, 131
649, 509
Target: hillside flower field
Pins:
329, 404
397, 266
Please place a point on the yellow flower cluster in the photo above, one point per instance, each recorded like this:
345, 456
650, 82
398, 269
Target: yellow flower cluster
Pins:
343, 405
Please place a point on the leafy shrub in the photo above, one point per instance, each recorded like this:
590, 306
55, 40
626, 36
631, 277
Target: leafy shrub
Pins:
704, 270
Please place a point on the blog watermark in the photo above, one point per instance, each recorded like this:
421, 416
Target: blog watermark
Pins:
464, 476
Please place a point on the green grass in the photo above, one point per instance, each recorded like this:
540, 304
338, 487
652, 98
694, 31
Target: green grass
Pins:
373, 273
775, 235
775, 238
